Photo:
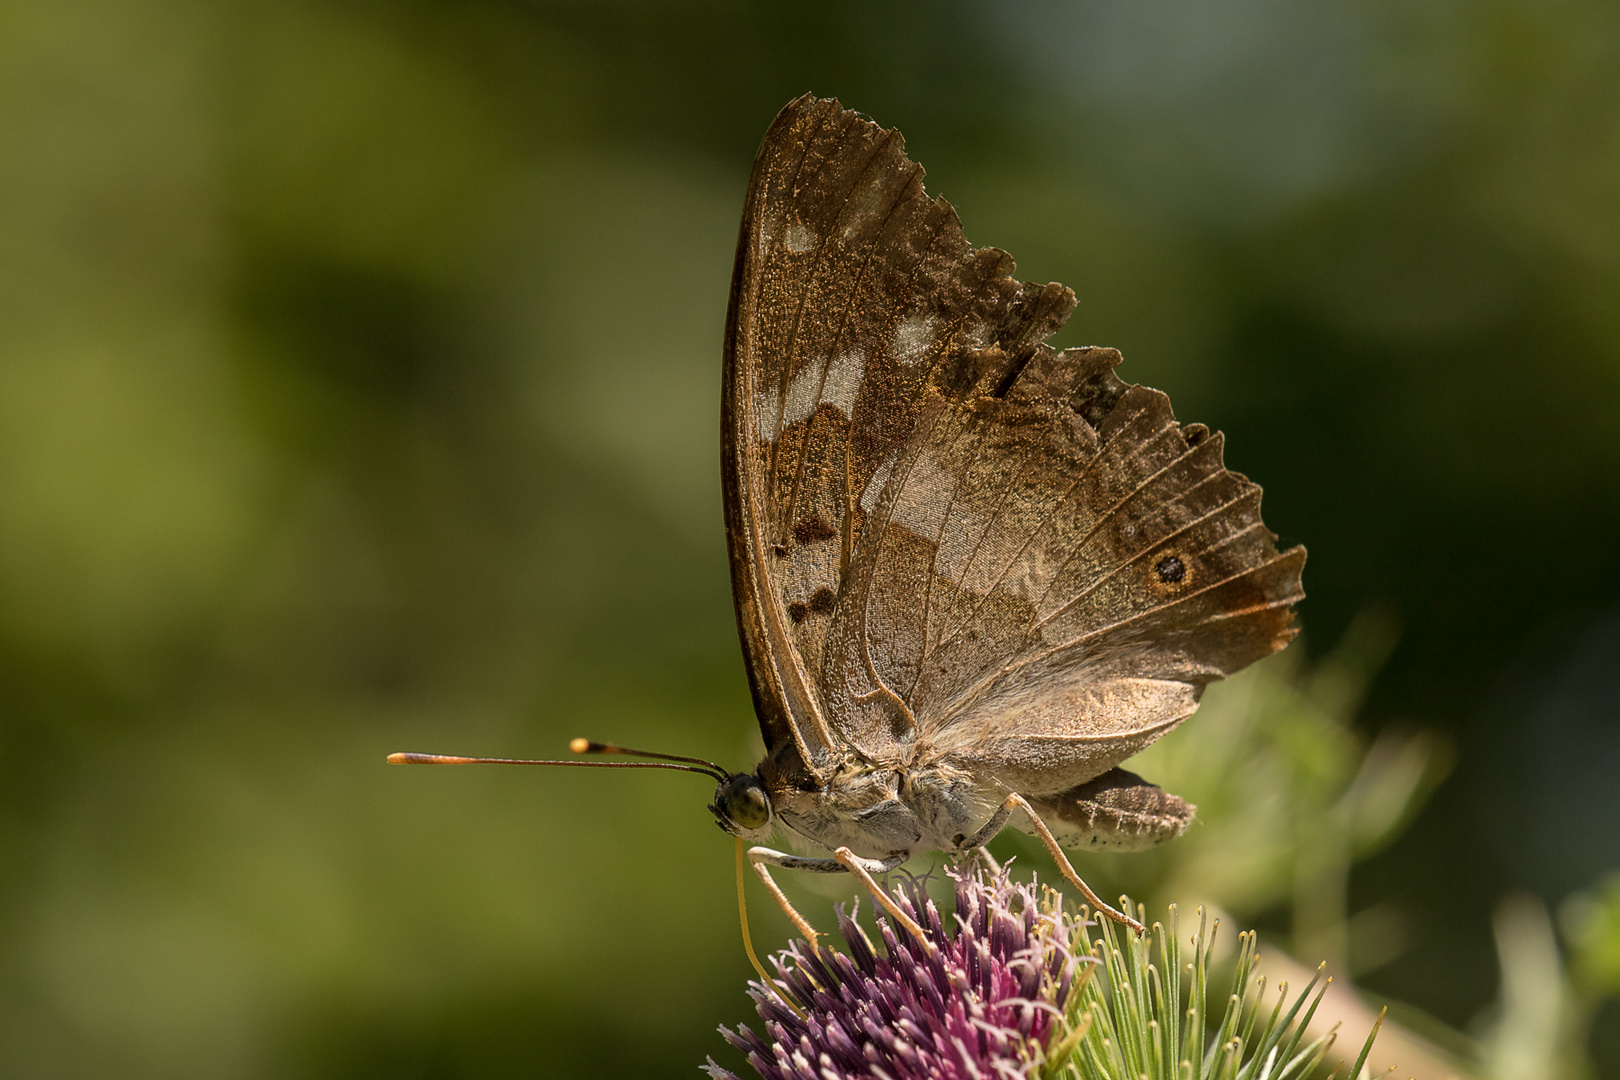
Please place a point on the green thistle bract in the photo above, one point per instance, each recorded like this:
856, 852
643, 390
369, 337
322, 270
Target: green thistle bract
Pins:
1023, 989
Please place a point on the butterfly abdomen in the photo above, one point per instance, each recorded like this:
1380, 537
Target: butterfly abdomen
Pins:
1117, 811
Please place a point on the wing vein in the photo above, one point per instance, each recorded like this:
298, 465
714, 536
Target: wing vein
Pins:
885, 513
1104, 517
784, 377
1137, 555
792, 506
849, 494
1093, 634
924, 651
1040, 522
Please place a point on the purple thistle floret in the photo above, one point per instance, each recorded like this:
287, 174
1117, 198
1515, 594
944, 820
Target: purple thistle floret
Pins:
984, 1006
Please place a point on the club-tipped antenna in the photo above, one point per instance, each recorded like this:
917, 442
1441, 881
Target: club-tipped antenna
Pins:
578, 746
586, 746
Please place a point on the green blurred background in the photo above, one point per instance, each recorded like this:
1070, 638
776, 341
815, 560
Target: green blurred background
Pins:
359, 384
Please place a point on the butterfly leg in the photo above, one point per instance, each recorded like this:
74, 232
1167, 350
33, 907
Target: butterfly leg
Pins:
998, 821
843, 860
862, 868
758, 857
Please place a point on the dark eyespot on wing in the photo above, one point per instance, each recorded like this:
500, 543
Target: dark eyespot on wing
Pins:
797, 612
823, 600
1171, 570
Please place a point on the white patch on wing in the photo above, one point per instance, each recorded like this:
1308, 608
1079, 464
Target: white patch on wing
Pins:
803, 393
874, 486
844, 381
912, 339
925, 498
1031, 574
767, 405
866, 209
800, 239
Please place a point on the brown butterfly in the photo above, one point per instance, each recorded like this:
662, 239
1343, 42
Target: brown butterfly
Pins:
972, 574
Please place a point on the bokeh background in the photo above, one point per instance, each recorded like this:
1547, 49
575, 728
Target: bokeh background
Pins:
359, 383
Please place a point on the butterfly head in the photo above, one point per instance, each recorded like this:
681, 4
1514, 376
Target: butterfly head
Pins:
742, 807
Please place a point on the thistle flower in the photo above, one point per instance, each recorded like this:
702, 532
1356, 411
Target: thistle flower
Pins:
985, 1004
1011, 993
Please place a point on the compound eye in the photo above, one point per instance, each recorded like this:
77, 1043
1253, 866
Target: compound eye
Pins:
747, 805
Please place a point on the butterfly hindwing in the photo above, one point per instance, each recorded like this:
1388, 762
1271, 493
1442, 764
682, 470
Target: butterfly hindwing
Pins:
1133, 567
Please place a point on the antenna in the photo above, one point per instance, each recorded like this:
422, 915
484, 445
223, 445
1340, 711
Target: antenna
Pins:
585, 746
578, 746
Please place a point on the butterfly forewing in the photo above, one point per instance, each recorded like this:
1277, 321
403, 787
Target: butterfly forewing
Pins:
851, 285
946, 538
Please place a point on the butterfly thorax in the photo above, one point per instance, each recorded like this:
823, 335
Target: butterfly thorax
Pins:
882, 809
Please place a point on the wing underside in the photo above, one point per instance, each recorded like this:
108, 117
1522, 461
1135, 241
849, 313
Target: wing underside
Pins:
947, 538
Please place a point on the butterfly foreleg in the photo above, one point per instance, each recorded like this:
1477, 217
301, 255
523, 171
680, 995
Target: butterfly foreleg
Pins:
998, 821
843, 861
758, 857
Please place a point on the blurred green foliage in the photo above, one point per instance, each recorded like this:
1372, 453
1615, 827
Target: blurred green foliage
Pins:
1593, 921
1288, 798
359, 371
1538, 1025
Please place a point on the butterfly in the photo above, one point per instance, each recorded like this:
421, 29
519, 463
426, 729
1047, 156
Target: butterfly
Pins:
973, 575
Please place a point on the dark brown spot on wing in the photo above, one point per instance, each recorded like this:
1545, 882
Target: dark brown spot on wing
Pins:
1013, 370
957, 372
823, 600
1171, 570
813, 529
797, 611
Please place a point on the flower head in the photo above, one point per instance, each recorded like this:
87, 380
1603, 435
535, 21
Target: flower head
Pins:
1010, 993
986, 1004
